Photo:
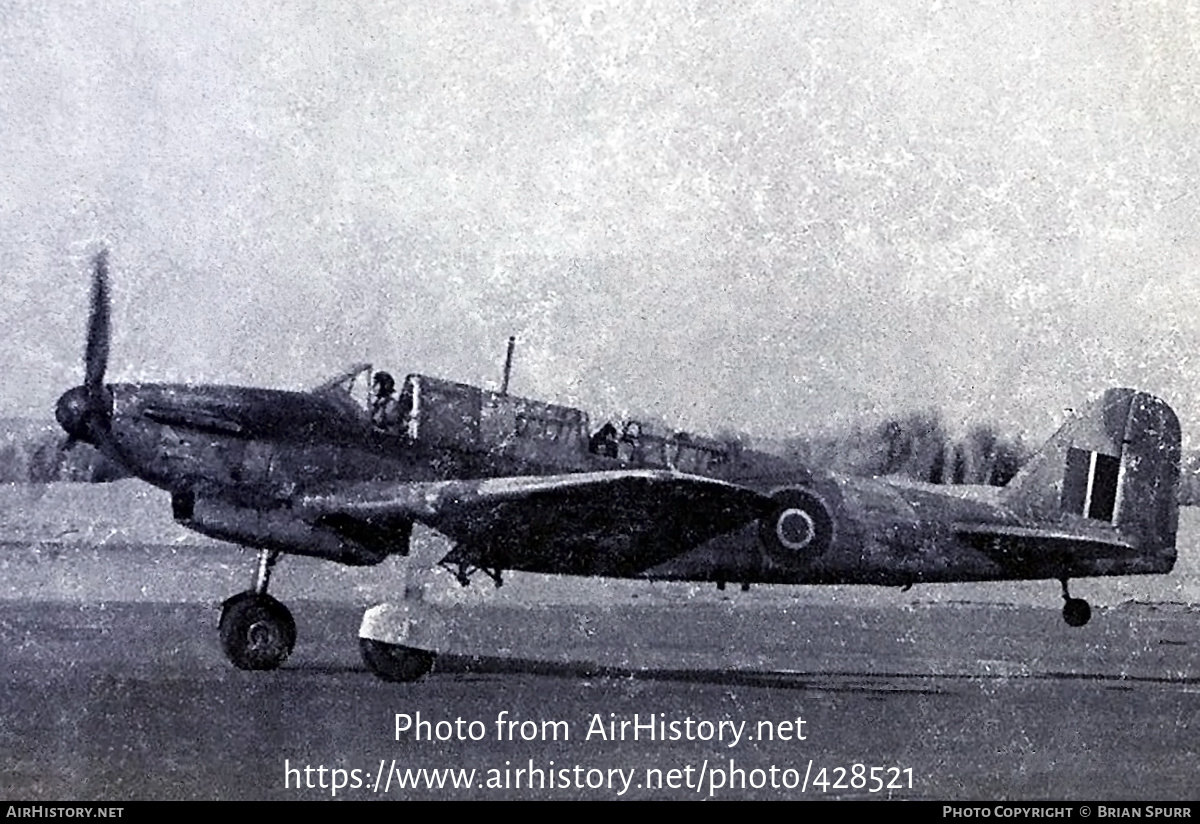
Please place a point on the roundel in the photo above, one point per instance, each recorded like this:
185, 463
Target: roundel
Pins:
798, 525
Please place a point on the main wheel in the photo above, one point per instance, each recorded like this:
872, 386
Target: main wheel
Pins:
1076, 612
395, 662
798, 526
257, 631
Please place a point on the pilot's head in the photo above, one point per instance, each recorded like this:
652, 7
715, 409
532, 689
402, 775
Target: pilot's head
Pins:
384, 384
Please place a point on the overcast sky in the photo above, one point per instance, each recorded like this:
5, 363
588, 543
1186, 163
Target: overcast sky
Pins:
782, 218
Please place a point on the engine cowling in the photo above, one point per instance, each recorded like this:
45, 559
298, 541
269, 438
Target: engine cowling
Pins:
799, 526
353, 543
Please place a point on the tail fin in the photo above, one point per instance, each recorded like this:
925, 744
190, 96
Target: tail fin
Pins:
1116, 462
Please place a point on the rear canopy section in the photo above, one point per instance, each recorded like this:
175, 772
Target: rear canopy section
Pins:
457, 416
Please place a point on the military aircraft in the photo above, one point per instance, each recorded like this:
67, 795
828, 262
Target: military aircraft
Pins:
522, 485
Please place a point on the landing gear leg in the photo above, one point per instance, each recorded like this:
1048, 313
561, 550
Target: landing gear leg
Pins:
257, 631
267, 558
1076, 611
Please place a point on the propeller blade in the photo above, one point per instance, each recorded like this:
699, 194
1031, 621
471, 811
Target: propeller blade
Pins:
95, 357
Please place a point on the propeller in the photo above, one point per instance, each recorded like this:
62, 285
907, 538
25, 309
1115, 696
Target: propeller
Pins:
95, 357
82, 408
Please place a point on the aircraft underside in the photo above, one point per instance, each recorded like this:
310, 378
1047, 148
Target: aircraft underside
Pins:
257, 631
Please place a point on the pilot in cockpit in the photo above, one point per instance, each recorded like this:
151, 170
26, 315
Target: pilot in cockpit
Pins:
604, 442
385, 411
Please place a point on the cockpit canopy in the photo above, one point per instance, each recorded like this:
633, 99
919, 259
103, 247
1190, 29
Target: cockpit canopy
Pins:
462, 417
457, 415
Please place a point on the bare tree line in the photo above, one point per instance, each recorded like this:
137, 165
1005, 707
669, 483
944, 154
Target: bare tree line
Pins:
917, 446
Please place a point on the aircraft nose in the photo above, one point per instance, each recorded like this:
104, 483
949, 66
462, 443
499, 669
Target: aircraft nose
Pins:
72, 413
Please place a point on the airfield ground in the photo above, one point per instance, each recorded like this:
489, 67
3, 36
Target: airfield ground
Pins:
115, 688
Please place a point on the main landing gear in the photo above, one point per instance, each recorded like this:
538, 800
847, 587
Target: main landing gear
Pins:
257, 631
1076, 611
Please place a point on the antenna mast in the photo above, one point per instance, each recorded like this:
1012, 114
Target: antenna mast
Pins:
512, 341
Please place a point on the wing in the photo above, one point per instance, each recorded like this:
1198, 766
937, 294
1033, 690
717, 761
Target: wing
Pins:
599, 523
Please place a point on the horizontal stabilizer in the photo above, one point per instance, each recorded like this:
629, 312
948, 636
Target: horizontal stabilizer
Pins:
1034, 534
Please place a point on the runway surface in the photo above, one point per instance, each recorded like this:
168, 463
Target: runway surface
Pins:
122, 700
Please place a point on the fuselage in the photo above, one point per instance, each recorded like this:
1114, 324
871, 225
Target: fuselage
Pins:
257, 450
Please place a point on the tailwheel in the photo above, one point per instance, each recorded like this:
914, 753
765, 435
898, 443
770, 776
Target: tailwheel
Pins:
1076, 611
395, 662
257, 631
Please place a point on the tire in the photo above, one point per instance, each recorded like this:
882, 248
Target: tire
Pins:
798, 527
1076, 612
395, 662
257, 631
